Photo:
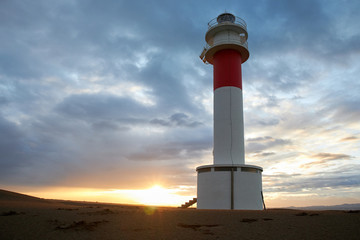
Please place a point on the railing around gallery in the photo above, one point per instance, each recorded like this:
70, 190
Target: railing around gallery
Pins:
238, 21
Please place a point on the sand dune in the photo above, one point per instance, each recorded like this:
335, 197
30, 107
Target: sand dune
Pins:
13, 196
26, 217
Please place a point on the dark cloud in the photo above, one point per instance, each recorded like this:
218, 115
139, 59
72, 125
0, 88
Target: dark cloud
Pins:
108, 126
330, 156
181, 119
299, 183
31, 157
267, 122
346, 109
172, 151
100, 106
304, 26
272, 101
259, 144
325, 162
177, 119
12, 147
264, 154
301, 42
350, 138
279, 75
252, 120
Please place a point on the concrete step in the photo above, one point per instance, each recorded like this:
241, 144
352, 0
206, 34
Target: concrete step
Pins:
189, 203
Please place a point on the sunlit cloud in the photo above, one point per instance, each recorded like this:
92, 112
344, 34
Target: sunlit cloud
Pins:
349, 138
330, 156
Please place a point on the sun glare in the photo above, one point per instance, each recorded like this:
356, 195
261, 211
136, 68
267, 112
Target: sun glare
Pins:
157, 195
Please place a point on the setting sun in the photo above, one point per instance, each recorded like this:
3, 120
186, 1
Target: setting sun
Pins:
157, 195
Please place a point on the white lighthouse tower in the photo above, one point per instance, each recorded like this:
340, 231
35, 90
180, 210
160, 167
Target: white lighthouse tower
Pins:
228, 183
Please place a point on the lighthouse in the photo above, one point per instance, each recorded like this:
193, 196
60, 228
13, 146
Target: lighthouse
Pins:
228, 183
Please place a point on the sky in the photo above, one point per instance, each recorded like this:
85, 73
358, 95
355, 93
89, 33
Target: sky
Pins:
109, 100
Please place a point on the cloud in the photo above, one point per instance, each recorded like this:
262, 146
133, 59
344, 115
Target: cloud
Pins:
321, 179
350, 138
92, 92
177, 119
347, 110
325, 160
264, 154
305, 26
90, 107
300, 183
259, 144
172, 151
12, 148
331, 156
108, 126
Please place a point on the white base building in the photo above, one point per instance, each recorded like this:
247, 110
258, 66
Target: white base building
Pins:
229, 187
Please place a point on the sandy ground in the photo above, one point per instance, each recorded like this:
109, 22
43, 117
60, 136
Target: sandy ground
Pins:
24, 217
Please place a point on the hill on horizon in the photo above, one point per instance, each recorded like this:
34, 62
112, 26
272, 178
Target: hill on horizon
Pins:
6, 195
353, 206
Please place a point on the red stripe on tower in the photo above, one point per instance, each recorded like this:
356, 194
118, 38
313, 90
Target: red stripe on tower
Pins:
227, 69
